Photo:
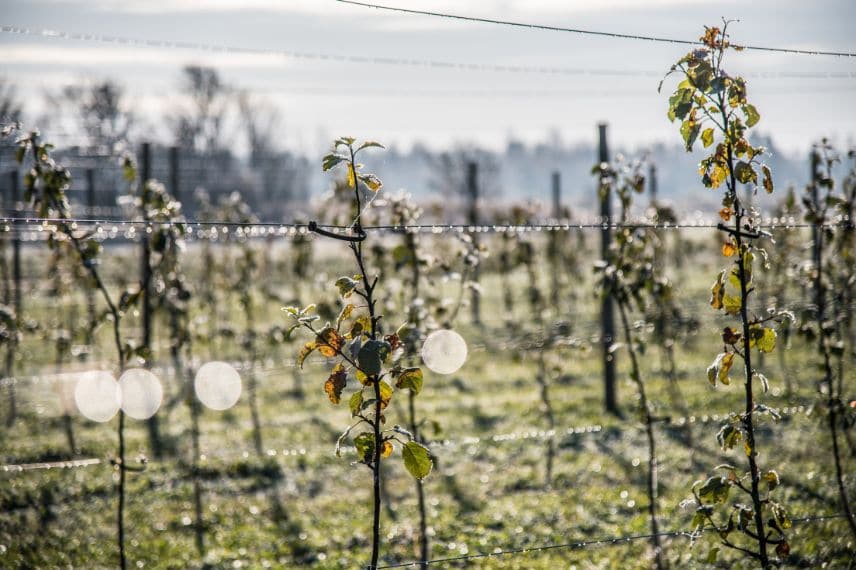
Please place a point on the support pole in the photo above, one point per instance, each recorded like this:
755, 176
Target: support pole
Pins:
607, 318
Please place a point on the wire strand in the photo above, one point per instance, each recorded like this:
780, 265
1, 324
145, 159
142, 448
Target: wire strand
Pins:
54, 34
578, 545
615, 35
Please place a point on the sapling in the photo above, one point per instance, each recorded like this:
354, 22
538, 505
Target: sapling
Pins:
45, 184
361, 351
712, 105
409, 255
783, 267
627, 275
820, 198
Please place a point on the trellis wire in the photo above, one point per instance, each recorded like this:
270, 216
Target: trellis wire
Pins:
578, 545
55, 34
489, 439
613, 35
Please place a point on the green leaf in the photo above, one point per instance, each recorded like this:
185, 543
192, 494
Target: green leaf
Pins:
732, 304
371, 356
331, 160
707, 137
417, 459
752, 116
356, 402
689, 131
744, 172
346, 286
781, 516
715, 489
762, 338
365, 447
369, 144
410, 378
729, 436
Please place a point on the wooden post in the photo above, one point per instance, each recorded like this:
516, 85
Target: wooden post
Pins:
607, 311
12, 348
814, 164
652, 183
146, 286
555, 242
173, 175
473, 218
90, 291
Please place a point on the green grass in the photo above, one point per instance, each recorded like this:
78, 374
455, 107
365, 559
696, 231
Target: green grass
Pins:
300, 506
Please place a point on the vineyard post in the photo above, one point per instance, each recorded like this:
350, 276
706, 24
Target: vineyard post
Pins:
473, 218
652, 183
174, 174
554, 238
606, 315
15, 196
146, 284
90, 292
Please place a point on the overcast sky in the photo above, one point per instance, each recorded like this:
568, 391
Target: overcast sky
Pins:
321, 98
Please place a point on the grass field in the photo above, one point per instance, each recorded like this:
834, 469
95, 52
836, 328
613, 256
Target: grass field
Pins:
298, 505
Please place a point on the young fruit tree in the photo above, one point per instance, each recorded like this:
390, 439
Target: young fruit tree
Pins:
712, 105
360, 349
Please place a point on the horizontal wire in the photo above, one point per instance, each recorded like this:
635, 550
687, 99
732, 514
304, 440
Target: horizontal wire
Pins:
615, 35
490, 440
578, 545
385, 60
72, 464
554, 225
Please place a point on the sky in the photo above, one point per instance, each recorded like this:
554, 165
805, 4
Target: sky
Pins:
613, 80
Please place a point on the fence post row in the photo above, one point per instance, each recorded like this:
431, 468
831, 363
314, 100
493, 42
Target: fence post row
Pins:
473, 192
607, 311
173, 176
555, 240
90, 291
17, 297
146, 286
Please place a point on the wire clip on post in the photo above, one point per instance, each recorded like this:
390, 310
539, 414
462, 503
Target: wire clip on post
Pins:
358, 229
732, 231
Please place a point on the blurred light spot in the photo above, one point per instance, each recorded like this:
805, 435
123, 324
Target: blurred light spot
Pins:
97, 395
444, 351
217, 385
142, 393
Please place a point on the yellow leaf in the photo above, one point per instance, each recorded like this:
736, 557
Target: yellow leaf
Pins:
717, 291
351, 175
336, 383
329, 342
386, 450
732, 304
305, 351
728, 249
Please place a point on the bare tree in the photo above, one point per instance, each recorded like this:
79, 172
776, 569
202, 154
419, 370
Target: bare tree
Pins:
102, 110
199, 126
10, 106
261, 122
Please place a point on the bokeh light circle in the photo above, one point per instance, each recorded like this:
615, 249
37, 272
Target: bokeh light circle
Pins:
97, 395
142, 393
444, 351
217, 385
